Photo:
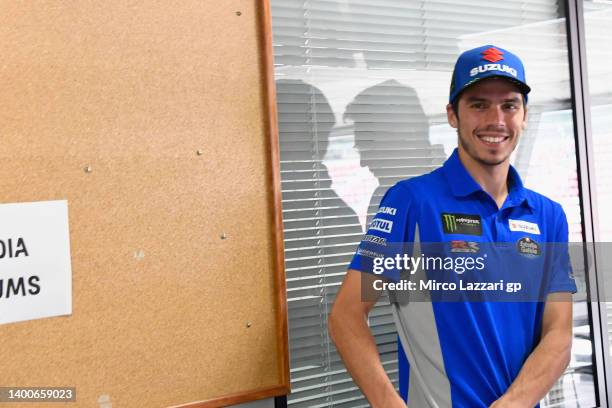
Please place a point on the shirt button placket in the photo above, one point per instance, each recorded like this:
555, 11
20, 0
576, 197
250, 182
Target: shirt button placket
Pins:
499, 227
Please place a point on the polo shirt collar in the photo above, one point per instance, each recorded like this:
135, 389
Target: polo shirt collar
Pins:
460, 181
463, 184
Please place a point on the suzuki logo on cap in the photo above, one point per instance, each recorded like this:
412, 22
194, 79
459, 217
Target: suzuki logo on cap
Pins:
492, 55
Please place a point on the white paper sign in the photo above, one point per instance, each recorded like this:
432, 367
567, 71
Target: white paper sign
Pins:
35, 270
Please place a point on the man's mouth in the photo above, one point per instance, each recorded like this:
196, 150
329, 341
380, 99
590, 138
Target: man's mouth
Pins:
492, 140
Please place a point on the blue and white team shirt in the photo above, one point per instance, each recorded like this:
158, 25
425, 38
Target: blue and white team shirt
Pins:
464, 354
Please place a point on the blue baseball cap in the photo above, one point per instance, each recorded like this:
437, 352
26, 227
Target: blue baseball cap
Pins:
483, 62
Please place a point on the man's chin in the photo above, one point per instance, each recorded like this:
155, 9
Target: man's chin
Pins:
491, 161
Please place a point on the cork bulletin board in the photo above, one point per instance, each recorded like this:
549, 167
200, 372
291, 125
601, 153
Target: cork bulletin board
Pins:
156, 122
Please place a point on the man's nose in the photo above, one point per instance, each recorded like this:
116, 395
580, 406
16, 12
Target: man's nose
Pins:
495, 116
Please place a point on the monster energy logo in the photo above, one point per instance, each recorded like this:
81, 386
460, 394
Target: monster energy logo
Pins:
450, 223
466, 224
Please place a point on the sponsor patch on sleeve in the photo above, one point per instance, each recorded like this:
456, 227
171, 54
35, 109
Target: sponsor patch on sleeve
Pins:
387, 210
369, 254
379, 224
376, 240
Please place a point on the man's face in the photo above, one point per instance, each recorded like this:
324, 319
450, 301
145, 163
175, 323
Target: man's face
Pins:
491, 117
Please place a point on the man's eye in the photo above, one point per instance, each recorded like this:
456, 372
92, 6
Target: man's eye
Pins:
478, 105
511, 106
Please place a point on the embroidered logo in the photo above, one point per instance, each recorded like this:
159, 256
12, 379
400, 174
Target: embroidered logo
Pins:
524, 226
467, 224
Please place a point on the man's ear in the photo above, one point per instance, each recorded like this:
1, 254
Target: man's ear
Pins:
452, 116
524, 124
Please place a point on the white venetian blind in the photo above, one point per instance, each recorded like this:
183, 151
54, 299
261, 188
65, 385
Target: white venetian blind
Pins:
361, 89
598, 30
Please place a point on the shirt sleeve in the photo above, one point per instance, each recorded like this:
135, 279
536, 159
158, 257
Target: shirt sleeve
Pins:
562, 277
386, 237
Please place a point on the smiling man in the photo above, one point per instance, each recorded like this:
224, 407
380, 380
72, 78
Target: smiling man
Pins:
465, 354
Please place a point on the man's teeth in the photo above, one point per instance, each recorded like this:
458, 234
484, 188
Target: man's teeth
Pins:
490, 139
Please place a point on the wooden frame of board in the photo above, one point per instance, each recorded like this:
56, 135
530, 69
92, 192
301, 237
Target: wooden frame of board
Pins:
281, 295
158, 126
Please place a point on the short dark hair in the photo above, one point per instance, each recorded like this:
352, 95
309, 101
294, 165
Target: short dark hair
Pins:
455, 106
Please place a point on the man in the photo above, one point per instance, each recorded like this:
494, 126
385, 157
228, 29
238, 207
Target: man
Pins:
466, 354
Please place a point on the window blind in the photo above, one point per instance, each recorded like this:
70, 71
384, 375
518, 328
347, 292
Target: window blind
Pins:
598, 31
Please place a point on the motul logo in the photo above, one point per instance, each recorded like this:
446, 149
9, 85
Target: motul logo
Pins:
492, 55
